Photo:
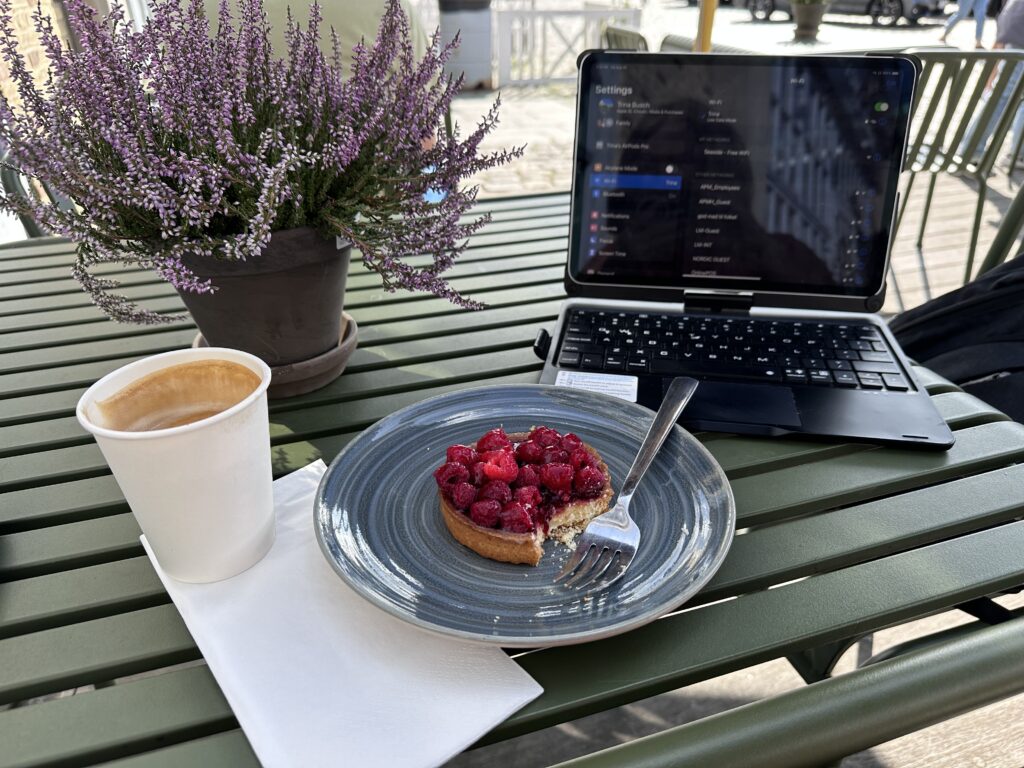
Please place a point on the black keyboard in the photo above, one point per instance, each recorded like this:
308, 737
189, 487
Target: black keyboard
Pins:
789, 351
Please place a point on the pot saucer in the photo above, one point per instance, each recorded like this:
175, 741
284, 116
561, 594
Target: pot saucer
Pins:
308, 375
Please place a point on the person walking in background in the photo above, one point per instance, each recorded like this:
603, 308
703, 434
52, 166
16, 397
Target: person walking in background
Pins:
1009, 34
966, 6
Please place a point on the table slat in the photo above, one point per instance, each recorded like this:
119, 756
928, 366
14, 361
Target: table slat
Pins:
113, 722
835, 481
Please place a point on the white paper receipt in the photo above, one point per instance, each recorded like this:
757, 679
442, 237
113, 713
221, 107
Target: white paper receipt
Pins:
622, 387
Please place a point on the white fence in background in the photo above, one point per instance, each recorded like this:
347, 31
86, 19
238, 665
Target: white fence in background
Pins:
538, 45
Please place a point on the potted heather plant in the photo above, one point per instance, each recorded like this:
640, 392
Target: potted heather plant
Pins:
243, 178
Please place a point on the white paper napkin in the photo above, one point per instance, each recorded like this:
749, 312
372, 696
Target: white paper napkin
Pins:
317, 676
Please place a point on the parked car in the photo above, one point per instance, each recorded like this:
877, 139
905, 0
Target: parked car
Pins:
883, 12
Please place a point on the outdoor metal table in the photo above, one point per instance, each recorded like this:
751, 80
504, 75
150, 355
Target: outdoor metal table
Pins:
838, 539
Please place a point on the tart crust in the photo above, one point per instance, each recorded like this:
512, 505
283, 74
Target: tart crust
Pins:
525, 548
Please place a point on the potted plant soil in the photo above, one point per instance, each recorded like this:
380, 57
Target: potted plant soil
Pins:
243, 178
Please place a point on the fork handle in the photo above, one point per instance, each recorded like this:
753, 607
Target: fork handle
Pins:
678, 395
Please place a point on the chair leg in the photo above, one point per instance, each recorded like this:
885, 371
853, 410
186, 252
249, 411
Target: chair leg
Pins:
920, 237
1006, 235
903, 202
982, 193
927, 208
896, 287
1014, 158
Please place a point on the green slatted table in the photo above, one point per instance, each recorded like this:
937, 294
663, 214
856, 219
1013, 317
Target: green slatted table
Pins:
841, 539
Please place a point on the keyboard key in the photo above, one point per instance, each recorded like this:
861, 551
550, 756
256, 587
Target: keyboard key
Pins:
569, 359
866, 366
820, 376
895, 381
876, 357
614, 363
860, 346
594, 362
870, 380
839, 365
847, 354
844, 378
794, 375
577, 338
879, 346
697, 368
636, 364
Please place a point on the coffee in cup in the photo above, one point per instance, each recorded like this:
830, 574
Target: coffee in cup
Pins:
178, 395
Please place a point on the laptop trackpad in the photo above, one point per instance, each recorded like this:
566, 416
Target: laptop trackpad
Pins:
742, 404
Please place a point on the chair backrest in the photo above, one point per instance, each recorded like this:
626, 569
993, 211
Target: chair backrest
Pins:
683, 44
15, 184
624, 39
963, 106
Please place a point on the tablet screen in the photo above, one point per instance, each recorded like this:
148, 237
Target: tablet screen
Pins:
744, 172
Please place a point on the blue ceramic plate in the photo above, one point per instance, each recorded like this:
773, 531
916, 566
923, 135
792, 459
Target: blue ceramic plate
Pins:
379, 525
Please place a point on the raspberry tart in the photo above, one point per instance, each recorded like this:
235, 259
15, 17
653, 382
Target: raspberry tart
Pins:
505, 494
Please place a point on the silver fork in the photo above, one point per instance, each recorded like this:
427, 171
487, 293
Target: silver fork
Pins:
608, 544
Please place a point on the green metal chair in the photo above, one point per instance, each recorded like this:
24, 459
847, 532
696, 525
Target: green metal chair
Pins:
624, 39
955, 127
1006, 235
683, 44
14, 183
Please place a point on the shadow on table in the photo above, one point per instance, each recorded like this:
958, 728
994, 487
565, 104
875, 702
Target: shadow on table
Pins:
609, 729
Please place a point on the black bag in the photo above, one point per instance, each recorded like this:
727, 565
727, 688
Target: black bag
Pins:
974, 336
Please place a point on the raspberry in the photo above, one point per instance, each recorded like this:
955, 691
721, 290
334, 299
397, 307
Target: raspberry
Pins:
557, 477
486, 513
545, 437
500, 465
495, 440
569, 442
529, 453
580, 458
462, 495
556, 456
462, 454
528, 496
545, 513
449, 474
496, 490
589, 481
516, 519
477, 473
528, 475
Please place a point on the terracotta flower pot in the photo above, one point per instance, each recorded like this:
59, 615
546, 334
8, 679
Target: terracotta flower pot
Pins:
284, 307
808, 19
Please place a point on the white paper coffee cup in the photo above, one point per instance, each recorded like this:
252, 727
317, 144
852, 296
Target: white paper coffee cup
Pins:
202, 492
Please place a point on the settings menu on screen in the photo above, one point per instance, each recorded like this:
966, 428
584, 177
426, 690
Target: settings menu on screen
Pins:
777, 173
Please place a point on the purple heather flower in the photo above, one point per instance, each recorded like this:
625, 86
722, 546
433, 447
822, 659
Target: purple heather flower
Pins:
192, 137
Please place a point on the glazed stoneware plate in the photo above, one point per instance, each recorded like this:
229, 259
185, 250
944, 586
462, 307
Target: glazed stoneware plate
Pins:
379, 525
